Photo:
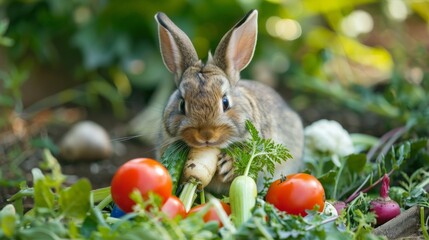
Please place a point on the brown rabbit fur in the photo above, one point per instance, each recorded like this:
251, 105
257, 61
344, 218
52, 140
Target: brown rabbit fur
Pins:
211, 105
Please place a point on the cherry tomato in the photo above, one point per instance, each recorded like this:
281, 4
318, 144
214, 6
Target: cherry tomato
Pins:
144, 174
211, 214
174, 207
296, 194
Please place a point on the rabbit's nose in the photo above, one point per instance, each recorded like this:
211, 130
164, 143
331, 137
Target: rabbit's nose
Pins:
206, 134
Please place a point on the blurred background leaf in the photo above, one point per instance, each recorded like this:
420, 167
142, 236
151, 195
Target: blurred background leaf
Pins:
365, 56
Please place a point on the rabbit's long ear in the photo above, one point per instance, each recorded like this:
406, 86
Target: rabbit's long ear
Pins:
177, 50
236, 48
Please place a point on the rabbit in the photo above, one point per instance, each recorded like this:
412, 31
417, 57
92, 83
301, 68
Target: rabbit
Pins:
211, 103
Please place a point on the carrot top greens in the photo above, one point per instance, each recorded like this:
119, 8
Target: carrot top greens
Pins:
256, 154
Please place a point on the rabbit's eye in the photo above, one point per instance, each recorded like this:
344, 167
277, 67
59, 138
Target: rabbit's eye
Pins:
225, 103
182, 106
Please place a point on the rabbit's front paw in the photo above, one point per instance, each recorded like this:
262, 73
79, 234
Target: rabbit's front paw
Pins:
225, 168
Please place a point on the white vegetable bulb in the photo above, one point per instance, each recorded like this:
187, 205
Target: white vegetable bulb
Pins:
327, 137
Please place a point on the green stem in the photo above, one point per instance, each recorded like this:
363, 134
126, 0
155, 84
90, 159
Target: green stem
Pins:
423, 183
262, 230
423, 224
337, 181
320, 167
112, 220
106, 201
328, 220
227, 224
202, 197
357, 192
188, 193
100, 194
208, 196
246, 171
28, 192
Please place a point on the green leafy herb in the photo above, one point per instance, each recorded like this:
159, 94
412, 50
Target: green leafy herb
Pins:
257, 153
73, 200
411, 191
250, 158
285, 226
174, 159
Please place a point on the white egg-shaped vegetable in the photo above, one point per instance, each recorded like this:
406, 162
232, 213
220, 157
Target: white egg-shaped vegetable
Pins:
86, 141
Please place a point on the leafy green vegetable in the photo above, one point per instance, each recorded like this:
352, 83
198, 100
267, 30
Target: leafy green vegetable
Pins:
72, 212
73, 200
285, 226
43, 195
410, 191
174, 159
339, 181
259, 152
250, 158
357, 169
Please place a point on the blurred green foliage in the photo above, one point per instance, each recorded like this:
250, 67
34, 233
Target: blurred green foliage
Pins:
364, 54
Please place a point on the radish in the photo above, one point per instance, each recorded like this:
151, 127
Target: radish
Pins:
340, 206
200, 167
384, 207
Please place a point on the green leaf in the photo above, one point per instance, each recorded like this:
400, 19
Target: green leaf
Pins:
74, 200
38, 233
402, 153
328, 181
252, 130
329, 177
405, 151
89, 225
50, 162
256, 154
8, 220
339, 181
174, 159
37, 174
43, 195
356, 162
142, 232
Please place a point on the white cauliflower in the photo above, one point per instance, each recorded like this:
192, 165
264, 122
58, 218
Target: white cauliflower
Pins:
327, 137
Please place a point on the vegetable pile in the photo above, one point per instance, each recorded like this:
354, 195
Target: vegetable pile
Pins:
334, 197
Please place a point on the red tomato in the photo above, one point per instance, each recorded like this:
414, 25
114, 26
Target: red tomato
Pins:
174, 207
144, 174
211, 214
296, 194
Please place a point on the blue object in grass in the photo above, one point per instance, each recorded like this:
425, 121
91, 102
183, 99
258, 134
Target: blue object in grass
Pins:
117, 212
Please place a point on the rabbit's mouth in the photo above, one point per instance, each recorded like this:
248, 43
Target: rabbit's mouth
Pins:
209, 144
206, 137
199, 144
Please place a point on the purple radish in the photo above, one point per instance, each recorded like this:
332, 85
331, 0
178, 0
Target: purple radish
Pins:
340, 206
384, 207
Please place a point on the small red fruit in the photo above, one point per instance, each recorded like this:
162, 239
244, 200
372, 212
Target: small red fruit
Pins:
174, 207
297, 193
143, 174
211, 214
